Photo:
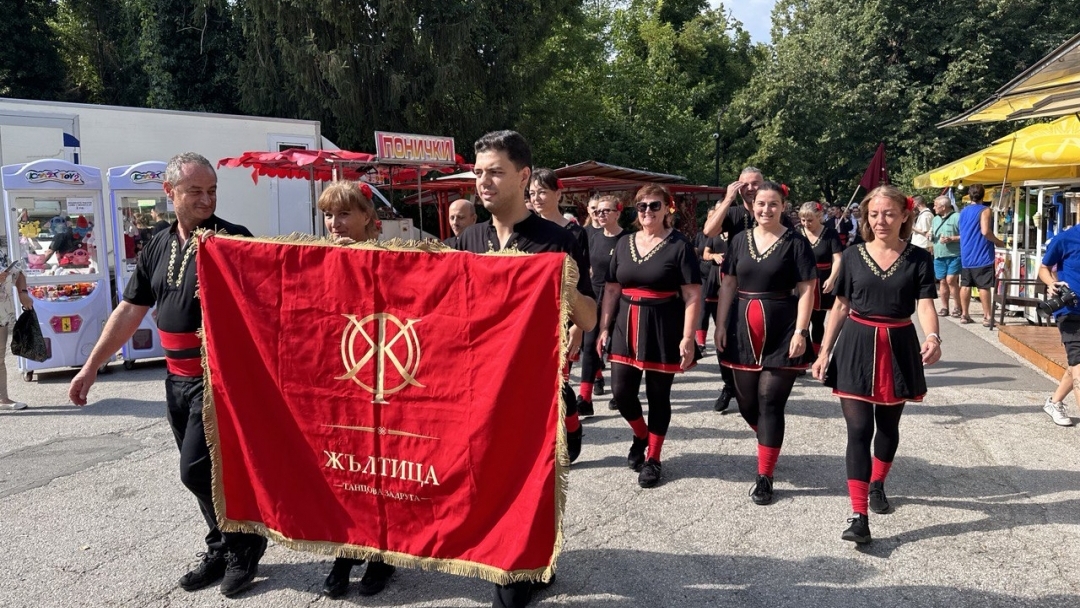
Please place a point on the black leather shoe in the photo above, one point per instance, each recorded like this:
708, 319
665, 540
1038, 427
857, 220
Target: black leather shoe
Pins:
208, 571
375, 578
762, 492
636, 458
650, 474
724, 400
241, 566
859, 530
611, 405
337, 582
514, 595
879, 503
584, 408
598, 386
573, 444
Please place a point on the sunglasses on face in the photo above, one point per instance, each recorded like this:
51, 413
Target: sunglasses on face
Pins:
603, 211
644, 206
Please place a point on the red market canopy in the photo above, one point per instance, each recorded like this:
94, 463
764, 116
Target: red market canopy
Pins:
327, 165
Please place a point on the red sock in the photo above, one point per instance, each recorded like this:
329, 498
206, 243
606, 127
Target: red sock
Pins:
586, 391
766, 459
881, 470
656, 442
641, 430
573, 423
700, 334
566, 372
599, 374
858, 491
754, 426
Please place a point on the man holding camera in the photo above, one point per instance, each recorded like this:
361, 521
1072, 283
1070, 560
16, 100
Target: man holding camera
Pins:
1060, 271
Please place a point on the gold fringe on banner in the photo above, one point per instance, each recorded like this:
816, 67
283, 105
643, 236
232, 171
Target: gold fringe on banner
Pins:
567, 297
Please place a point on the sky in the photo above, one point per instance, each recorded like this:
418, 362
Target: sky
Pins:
755, 15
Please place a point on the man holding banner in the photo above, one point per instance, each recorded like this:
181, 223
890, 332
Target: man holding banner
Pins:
503, 161
165, 277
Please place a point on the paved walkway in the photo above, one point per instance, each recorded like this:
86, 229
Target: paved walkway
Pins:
985, 488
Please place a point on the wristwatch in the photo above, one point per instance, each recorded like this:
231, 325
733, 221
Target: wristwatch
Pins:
803, 332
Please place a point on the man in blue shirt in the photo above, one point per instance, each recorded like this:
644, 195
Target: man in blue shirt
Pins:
977, 241
1061, 266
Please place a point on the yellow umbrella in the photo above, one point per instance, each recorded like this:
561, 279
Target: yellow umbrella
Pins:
1043, 151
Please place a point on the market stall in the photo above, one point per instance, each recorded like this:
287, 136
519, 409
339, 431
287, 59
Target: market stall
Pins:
55, 208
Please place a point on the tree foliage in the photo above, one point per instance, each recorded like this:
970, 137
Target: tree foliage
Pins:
30, 65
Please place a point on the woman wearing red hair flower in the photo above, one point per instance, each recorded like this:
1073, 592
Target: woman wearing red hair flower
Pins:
875, 364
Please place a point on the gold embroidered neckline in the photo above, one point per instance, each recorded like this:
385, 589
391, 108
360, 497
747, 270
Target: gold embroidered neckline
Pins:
189, 252
634, 255
753, 246
803, 231
873, 266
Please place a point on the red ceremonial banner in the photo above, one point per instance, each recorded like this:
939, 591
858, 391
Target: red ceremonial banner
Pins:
400, 404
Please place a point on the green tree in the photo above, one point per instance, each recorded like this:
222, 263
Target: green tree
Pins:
99, 41
30, 64
188, 48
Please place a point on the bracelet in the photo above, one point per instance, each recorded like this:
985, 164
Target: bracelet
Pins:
928, 336
23, 291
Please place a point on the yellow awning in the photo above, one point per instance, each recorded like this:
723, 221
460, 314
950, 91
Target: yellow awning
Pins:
1051, 87
1043, 151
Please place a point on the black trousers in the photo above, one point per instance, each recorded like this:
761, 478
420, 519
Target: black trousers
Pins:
184, 398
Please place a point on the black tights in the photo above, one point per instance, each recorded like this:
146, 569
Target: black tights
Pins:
860, 417
590, 359
625, 383
762, 397
708, 314
817, 326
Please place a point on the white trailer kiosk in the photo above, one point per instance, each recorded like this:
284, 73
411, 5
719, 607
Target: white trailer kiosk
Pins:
139, 209
54, 214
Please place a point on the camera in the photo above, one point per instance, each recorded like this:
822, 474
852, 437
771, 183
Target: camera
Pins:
1065, 297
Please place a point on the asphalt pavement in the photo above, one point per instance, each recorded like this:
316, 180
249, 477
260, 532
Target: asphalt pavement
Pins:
985, 491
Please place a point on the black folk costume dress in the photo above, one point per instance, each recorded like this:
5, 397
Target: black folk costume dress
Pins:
649, 325
877, 357
760, 331
826, 245
710, 282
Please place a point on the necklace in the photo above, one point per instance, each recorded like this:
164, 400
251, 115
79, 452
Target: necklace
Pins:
189, 252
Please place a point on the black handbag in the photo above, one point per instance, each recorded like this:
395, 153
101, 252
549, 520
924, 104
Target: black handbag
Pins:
26, 339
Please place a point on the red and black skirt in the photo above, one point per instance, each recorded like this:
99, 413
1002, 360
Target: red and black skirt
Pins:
823, 300
648, 330
760, 332
877, 360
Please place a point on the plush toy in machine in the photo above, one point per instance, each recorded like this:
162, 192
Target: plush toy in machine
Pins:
30, 230
82, 227
79, 258
35, 261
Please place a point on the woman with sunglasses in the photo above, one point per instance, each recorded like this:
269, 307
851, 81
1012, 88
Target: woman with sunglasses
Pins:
601, 247
827, 249
655, 283
766, 341
876, 360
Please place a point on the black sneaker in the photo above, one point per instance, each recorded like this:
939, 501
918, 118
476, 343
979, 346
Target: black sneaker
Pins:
598, 386
573, 444
724, 400
650, 474
636, 458
584, 408
242, 564
337, 582
611, 405
859, 530
514, 595
762, 493
209, 571
375, 578
879, 503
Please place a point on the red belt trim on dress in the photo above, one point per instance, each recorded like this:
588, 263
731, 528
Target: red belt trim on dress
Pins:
824, 266
183, 353
886, 322
643, 293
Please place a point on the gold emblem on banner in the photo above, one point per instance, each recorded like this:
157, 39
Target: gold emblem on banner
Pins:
381, 333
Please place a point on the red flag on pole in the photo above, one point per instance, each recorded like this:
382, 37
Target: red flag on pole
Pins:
876, 174
398, 404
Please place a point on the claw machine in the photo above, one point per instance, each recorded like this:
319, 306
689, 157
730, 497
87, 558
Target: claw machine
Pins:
53, 211
140, 210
